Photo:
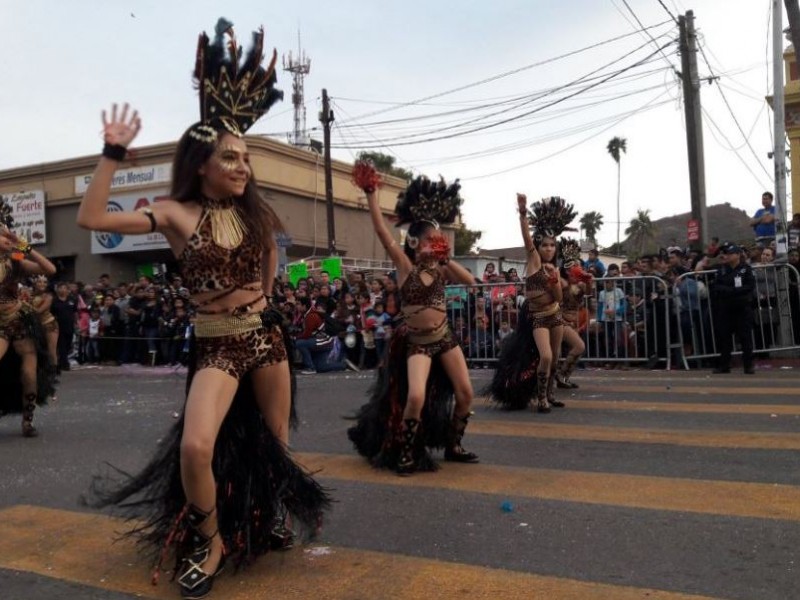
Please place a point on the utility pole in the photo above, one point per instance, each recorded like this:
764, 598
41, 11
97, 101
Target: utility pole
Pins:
326, 118
779, 151
694, 122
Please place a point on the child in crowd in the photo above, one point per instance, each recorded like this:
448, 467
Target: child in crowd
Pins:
381, 319
95, 332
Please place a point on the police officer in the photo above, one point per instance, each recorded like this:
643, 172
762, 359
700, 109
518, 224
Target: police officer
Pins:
732, 296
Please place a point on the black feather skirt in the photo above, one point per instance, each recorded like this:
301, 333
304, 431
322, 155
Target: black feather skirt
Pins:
377, 432
258, 486
12, 393
513, 385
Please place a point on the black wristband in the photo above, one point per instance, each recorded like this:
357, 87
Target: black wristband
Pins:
115, 152
148, 212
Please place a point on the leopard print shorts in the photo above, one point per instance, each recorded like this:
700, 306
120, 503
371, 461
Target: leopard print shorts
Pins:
12, 327
241, 353
447, 343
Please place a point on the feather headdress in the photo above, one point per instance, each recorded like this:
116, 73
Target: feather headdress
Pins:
549, 217
570, 252
233, 93
426, 200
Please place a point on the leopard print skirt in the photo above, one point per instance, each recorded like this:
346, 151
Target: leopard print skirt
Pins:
241, 353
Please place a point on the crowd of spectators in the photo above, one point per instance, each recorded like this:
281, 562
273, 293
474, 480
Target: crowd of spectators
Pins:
346, 322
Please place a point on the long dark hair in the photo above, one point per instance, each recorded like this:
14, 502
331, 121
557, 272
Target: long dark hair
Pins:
190, 155
416, 230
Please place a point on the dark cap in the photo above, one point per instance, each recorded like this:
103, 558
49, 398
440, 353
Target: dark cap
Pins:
729, 248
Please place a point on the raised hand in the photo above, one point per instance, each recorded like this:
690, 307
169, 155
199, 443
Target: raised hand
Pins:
522, 202
8, 241
121, 130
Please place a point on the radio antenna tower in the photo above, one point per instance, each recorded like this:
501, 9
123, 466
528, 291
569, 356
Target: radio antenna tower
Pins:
299, 66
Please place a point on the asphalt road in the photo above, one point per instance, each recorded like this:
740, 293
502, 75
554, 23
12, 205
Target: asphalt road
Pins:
650, 484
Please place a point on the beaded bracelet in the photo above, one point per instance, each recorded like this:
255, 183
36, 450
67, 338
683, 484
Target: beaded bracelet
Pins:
21, 250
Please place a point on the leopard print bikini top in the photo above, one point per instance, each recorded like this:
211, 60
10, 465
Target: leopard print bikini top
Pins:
544, 298
415, 293
209, 267
537, 282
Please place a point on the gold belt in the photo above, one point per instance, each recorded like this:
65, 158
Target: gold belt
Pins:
230, 325
427, 336
545, 312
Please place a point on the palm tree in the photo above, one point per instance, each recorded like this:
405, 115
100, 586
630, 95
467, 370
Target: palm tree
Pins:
614, 147
591, 222
641, 229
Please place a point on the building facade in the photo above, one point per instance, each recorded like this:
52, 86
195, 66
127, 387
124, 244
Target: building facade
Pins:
45, 200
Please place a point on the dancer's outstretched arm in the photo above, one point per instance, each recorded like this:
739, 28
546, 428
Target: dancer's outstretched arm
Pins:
534, 260
118, 131
399, 258
457, 274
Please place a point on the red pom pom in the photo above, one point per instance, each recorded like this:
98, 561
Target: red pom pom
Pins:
440, 247
365, 176
578, 274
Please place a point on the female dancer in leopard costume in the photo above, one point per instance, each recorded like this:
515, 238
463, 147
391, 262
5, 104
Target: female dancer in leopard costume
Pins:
410, 409
26, 373
222, 481
526, 365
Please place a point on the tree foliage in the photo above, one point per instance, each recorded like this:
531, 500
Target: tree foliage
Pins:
591, 222
641, 230
385, 164
465, 240
615, 147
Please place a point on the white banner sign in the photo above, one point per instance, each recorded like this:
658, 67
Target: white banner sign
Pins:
107, 243
132, 177
27, 208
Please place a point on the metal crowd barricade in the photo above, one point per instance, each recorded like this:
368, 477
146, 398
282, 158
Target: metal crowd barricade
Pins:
628, 321
776, 308
481, 315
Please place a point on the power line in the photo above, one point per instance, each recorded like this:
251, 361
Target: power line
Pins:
744, 162
519, 99
644, 108
669, 12
520, 144
730, 110
508, 73
525, 114
628, 6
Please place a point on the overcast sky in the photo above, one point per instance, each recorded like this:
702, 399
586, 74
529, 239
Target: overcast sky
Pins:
65, 61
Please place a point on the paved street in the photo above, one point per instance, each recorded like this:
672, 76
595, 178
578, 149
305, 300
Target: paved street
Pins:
650, 484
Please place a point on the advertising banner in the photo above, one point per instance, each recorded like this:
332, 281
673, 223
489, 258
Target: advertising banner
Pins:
133, 177
108, 243
27, 208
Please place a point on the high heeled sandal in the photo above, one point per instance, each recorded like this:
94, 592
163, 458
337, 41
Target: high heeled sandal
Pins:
542, 405
282, 535
195, 583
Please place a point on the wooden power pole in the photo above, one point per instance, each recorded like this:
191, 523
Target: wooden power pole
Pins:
326, 118
694, 122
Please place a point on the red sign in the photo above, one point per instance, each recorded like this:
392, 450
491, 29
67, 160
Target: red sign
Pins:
693, 230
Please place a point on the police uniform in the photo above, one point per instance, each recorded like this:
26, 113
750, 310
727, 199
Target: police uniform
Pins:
732, 291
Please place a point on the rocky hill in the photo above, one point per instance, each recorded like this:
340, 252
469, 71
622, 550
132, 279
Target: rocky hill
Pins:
724, 221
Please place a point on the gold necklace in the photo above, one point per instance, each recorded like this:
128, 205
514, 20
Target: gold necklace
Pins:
227, 227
